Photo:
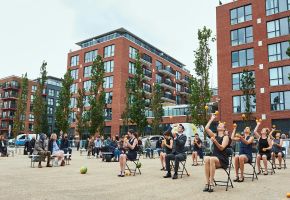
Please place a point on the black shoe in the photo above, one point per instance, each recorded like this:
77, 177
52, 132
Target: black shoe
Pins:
168, 175
211, 188
162, 169
237, 179
206, 187
241, 180
175, 176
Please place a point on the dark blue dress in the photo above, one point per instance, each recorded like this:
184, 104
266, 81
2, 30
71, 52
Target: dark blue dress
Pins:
246, 149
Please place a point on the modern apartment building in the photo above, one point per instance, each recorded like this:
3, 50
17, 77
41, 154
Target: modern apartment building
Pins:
119, 49
254, 35
9, 92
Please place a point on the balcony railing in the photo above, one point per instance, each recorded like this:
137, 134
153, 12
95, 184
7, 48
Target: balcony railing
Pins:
9, 107
185, 91
184, 80
167, 84
8, 95
5, 118
9, 85
166, 70
168, 98
147, 88
147, 74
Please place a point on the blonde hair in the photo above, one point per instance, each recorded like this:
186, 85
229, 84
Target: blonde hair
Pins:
53, 136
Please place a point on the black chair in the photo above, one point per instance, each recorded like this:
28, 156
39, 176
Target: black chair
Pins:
181, 169
135, 169
271, 167
284, 157
228, 182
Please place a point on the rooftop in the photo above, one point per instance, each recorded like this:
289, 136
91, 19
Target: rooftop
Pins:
121, 32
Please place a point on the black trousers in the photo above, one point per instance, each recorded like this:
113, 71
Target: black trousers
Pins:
177, 158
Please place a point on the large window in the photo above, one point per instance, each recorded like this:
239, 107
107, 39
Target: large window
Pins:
276, 6
108, 82
88, 71
33, 88
109, 66
279, 75
178, 75
277, 51
133, 52
108, 113
278, 27
241, 14
158, 64
147, 87
239, 103
237, 80
86, 101
73, 102
146, 57
109, 97
87, 85
91, 56
73, 88
242, 36
158, 78
178, 87
132, 68
243, 58
51, 92
50, 101
74, 74
109, 51
49, 110
74, 61
280, 100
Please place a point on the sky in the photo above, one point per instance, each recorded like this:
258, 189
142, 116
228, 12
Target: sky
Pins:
36, 30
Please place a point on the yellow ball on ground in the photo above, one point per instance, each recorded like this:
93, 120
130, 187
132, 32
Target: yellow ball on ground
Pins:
83, 170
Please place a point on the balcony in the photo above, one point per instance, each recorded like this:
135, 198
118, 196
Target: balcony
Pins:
166, 70
184, 80
10, 85
147, 74
9, 107
167, 84
11, 95
168, 98
4, 127
185, 91
147, 90
7, 118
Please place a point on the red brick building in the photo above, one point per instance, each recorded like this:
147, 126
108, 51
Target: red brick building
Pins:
118, 49
254, 34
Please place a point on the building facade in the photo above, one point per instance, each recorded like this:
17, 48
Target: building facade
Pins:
254, 35
119, 49
9, 92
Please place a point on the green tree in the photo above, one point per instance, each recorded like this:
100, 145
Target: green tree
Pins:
156, 108
80, 115
39, 108
248, 89
97, 97
199, 86
18, 123
126, 113
63, 110
137, 108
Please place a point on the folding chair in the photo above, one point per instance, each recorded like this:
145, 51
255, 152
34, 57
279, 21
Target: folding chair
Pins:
228, 172
252, 175
284, 157
136, 162
271, 167
34, 159
181, 168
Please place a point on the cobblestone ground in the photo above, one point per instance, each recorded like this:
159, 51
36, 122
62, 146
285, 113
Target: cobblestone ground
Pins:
19, 181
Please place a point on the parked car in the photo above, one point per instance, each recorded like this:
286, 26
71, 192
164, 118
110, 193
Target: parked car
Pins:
153, 139
20, 139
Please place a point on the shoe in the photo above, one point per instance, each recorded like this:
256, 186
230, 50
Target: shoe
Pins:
265, 173
259, 172
241, 180
175, 176
206, 187
48, 165
237, 179
162, 169
62, 163
39, 166
211, 188
279, 167
168, 175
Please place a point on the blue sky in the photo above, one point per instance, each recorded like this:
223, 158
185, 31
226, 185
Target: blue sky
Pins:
37, 30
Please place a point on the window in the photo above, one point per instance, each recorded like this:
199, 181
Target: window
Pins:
109, 51
242, 36
147, 87
108, 113
88, 71
146, 57
33, 88
51, 92
109, 66
72, 117
86, 101
87, 85
57, 94
280, 100
279, 75
30, 127
31, 98
241, 14
31, 117
237, 80
178, 75
243, 58
73, 102
50, 101
239, 104
49, 110
132, 69
278, 27
276, 6
49, 119
73, 88
277, 51
91, 56
133, 52
158, 79
178, 100
109, 97
74, 74
74, 61
108, 82
178, 87
159, 65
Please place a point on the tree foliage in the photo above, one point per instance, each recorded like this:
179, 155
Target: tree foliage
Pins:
97, 98
19, 120
126, 113
156, 108
81, 115
63, 110
39, 103
199, 86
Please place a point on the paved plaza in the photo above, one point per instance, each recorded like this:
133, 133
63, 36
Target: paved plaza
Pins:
19, 181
